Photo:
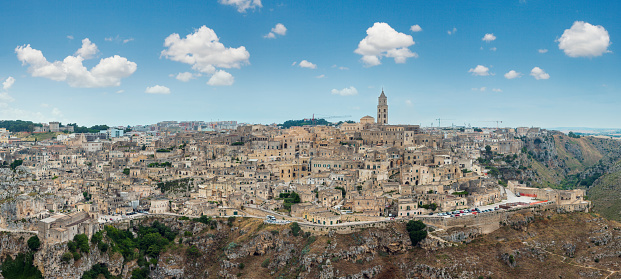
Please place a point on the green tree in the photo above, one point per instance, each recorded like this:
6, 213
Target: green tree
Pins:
417, 231
295, 228
21, 267
126, 171
34, 243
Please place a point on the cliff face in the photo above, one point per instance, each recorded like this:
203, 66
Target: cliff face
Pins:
528, 245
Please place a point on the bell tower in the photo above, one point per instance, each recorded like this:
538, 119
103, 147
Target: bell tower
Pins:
382, 109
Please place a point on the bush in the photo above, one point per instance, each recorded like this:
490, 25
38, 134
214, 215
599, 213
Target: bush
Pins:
34, 243
21, 267
295, 229
187, 234
81, 240
76, 256
241, 265
67, 256
193, 251
417, 231
265, 263
103, 247
72, 246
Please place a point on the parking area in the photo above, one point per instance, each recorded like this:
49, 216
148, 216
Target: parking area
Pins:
512, 199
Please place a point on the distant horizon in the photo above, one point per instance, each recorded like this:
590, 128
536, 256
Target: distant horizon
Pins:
334, 121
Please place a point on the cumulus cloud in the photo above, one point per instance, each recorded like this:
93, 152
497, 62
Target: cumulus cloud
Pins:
108, 72
479, 70
496, 89
157, 89
204, 51
221, 78
451, 32
539, 73
348, 91
242, 5
88, 49
543, 50
306, 64
512, 74
584, 40
384, 41
185, 76
416, 28
279, 29
489, 37
8, 83
321, 76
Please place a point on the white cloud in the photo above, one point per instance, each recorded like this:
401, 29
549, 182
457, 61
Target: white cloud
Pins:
279, 29
408, 102
584, 40
451, 32
120, 91
69, 37
543, 50
44, 105
109, 39
321, 76
512, 74
8, 83
489, 37
348, 91
242, 5
496, 89
221, 78
157, 89
128, 40
88, 49
479, 70
57, 113
493, 49
343, 68
384, 41
482, 89
539, 73
185, 76
108, 72
294, 62
306, 64
416, 28
6, 98
204, 51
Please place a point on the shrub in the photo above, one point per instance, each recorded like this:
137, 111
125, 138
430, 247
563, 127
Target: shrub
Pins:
295, 229
193, 251
76, 256
67, 256
265, 263
34, 243
417, 231
72, 246
241, 265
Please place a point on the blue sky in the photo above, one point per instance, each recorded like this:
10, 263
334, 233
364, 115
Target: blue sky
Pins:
250, 77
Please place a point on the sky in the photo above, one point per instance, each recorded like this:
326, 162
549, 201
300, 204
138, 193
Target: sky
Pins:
523, 62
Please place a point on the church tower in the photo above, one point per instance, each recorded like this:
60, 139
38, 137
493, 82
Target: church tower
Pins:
382, 109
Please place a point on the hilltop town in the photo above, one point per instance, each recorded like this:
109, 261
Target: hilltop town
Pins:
328, 177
